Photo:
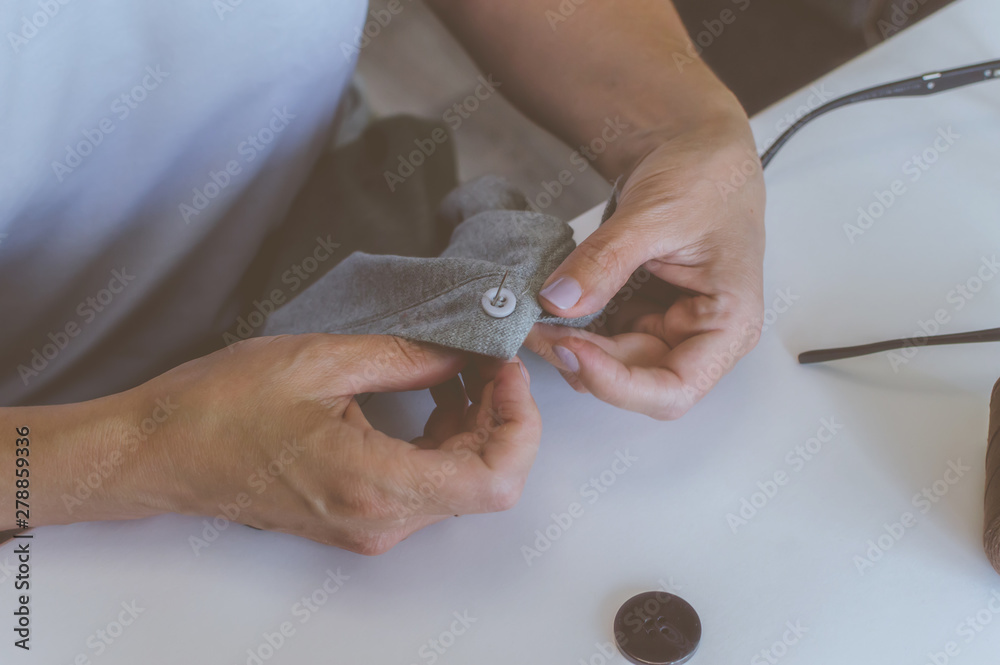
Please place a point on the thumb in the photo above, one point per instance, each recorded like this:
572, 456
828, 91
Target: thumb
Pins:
596, 270
385, 364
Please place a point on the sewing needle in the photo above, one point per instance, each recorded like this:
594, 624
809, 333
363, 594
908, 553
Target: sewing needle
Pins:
496, 298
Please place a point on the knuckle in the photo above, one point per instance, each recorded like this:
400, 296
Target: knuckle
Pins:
357, 509
532, 425
741, 323
410, 355
312, 354
604, 258
668, 412
373, 543
365, 504
716, 310
369, 355
390, 355
252, 344
746, 329
504, 493
313, 346
751, 332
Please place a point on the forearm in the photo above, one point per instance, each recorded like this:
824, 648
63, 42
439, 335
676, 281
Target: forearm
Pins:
85, 462
606, 60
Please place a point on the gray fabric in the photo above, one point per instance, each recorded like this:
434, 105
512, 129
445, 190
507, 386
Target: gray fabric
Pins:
438, 300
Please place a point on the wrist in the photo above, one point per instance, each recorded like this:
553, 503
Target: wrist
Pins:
146, 474
698, 104
86, 463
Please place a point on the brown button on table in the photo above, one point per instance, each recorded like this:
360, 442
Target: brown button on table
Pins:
657, 628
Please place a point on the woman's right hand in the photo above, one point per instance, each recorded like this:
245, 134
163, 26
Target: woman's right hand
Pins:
268, 433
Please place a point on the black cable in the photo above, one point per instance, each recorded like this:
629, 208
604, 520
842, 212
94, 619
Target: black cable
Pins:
918, 86
825, 355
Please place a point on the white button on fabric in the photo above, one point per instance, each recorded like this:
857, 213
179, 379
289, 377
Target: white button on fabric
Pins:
499, 305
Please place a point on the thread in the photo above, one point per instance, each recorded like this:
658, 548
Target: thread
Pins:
991, 535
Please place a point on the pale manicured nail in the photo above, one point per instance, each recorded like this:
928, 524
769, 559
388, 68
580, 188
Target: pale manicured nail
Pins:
564, 293
568, 358
520, 365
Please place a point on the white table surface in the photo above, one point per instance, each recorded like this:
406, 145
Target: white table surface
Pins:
664, 520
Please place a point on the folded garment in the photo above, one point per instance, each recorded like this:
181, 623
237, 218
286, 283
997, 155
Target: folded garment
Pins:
454, 300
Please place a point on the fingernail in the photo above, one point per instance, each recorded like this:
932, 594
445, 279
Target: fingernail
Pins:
568, 358
520, 366
564, 293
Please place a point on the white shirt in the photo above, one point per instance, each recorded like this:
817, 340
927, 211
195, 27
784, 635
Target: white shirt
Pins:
146, 151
